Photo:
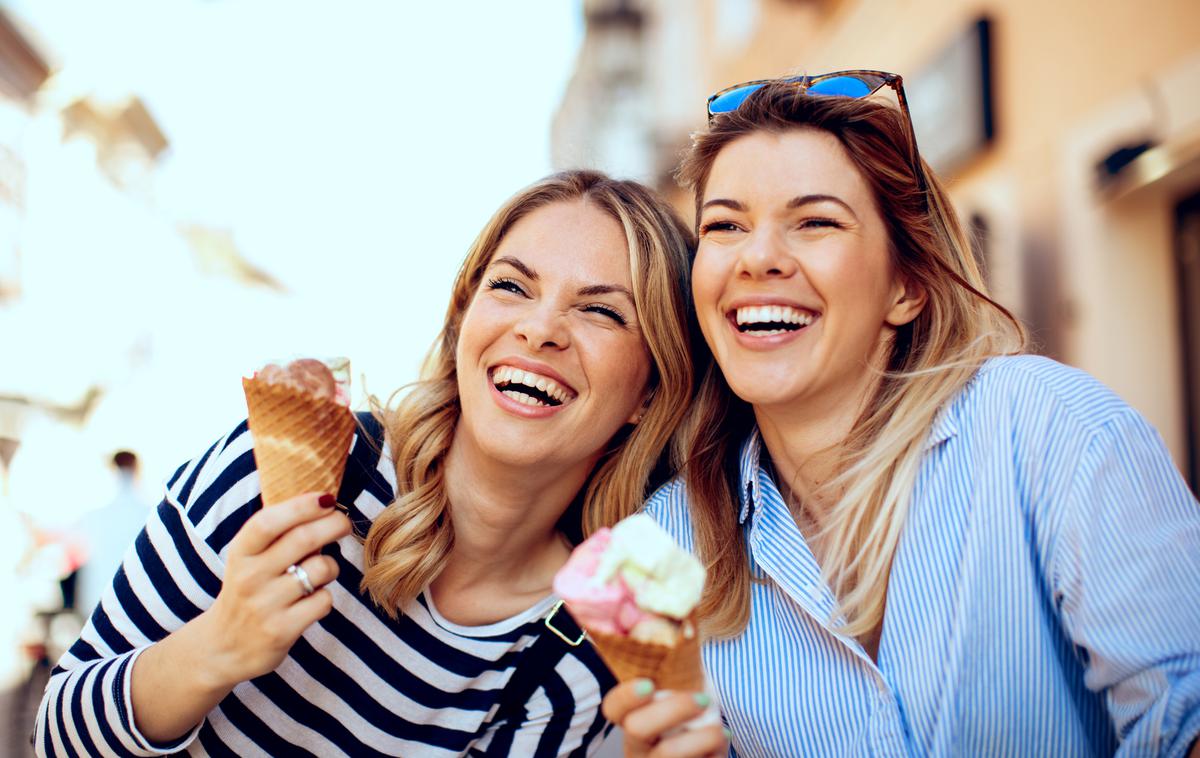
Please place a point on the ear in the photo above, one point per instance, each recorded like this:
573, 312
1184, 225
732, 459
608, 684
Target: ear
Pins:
636, 417
908, 300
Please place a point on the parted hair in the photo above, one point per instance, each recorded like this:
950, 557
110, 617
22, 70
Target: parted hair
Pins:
929, 360
408, 544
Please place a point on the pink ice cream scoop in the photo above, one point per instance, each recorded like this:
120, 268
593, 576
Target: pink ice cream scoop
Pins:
607, 607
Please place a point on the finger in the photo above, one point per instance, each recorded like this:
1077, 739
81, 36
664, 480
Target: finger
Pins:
266, 526
304, 540
307, 610
320, 570
667, 712
702, 741
625, 697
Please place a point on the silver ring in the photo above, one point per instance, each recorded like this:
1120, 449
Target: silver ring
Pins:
302, 577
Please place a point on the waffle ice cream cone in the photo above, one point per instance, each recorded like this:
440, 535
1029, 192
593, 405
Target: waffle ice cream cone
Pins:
300, 439
670, 667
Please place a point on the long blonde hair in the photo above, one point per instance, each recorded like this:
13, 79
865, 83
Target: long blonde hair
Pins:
930, 360
408, 544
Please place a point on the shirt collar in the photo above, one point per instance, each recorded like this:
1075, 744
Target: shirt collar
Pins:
748, 470
944, 427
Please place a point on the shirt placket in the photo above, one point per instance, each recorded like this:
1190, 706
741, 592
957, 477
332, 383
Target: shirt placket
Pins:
779, 548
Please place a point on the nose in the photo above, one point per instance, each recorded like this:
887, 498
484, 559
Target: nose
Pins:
764, 255
544, 327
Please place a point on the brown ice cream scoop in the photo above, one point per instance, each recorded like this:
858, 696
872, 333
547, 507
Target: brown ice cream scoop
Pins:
305, 375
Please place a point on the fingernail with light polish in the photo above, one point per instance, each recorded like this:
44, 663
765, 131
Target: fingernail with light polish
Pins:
643, 687
702, 699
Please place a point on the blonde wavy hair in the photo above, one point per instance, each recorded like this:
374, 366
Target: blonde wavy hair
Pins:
408, 544
929, 361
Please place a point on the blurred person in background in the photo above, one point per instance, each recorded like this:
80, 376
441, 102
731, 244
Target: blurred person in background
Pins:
107, 532
939, 546
419, 621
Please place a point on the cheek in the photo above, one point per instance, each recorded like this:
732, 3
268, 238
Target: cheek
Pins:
471, 330
708, 281
625, 370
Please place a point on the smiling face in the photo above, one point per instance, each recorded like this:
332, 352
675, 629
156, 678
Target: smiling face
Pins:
793, 282
550, 357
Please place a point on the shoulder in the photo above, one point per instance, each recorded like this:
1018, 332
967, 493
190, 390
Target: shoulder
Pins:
668, 506
1039, 394
219, 490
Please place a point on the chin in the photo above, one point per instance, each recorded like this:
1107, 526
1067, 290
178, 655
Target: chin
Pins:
765, 389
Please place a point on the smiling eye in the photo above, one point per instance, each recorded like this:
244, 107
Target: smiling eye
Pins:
612, 313
820, 223
508, 285
717, 226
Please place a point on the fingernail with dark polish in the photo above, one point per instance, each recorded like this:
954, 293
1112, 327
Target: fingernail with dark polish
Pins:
327, 501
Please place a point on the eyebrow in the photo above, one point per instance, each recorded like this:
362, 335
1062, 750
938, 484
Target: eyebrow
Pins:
605, 289
588, 291
795, 202
732, 205
802, 200
528, 272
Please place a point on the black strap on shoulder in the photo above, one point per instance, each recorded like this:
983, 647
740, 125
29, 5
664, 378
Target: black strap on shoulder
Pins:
559, 634
361, 468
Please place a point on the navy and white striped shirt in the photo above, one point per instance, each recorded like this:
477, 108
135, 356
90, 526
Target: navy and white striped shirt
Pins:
1044, 599
356, 683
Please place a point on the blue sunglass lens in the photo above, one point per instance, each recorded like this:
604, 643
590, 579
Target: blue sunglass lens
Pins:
733, 99
842, 86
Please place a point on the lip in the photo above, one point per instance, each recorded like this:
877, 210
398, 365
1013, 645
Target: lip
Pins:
520, 409
753, 341
754, 300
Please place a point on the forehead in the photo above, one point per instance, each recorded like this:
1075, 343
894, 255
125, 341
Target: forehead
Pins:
571, 239
774, 167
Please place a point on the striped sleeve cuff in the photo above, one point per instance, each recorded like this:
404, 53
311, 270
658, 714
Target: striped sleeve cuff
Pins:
122, 697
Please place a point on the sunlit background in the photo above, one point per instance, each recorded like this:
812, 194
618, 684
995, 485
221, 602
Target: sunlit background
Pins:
190, 188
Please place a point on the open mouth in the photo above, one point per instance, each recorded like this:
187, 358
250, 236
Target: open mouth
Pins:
769, 320
529, 388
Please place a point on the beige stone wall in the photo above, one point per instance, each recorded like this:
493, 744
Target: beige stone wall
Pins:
1094, 275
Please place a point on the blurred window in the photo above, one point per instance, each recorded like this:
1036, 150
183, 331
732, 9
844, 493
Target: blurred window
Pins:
1187, 246
981, 245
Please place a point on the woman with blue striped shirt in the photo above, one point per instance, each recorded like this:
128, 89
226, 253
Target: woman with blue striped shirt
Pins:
561, 370
919, 542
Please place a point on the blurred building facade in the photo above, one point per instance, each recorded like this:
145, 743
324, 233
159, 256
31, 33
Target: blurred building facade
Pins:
1069, 134
101, 287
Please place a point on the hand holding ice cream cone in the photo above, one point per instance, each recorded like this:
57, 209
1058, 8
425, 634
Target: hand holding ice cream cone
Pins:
635, 592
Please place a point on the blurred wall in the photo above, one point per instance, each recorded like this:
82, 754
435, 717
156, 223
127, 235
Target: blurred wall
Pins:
1089, 261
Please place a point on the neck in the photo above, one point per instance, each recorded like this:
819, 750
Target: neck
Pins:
806, 438
504, 519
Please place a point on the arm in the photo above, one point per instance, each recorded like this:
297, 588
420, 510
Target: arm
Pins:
169, 579
83, 710
1126, 575
257, 617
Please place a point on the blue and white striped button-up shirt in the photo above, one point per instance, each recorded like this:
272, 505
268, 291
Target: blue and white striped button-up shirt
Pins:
1044, 599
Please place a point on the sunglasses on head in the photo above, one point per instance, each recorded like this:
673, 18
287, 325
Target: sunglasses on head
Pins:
856, 84
853, 84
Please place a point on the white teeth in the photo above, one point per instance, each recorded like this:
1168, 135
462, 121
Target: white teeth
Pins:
772, 314
521, 397
505, 375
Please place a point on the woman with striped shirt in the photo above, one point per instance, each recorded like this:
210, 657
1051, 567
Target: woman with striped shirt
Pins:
919, 542
420, 621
